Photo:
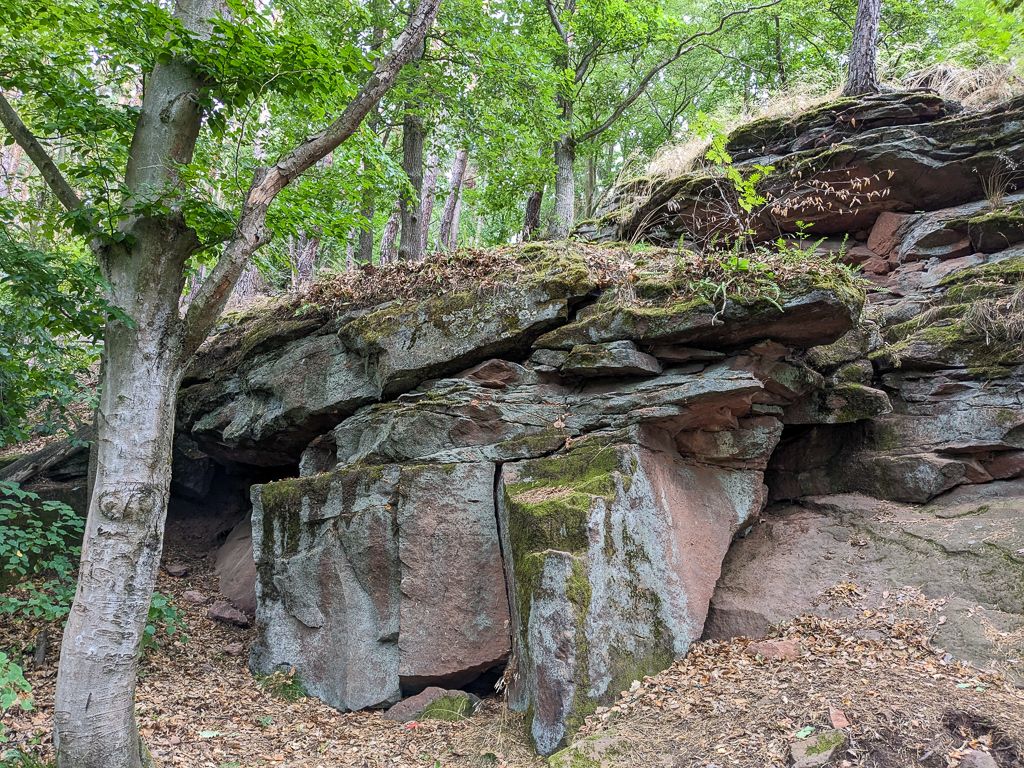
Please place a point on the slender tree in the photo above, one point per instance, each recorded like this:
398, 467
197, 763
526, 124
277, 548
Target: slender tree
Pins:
148, 345
580, 50
862, 75
449, 230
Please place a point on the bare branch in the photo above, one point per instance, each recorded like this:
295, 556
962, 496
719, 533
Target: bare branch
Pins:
251, 232
553, 13
38, 155
685, 46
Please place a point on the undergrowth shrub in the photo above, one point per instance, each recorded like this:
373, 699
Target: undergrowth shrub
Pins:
15, 692
40, 543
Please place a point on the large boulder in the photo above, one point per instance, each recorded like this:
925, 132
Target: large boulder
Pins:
833, 555
613, 551
371, 579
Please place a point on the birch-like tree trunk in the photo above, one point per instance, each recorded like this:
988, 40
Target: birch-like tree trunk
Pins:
427, 197
565, 188
449, 233
146, 353
862, 76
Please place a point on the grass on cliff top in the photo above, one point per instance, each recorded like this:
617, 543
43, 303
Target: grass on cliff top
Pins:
637, 274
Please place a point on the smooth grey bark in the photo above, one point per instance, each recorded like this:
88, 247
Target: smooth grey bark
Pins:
367, 210
565, 188
449, 228
144, 362
389, 235
590, 187
427, 197
862, 75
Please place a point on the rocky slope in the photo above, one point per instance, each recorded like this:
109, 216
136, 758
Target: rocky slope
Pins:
552, 462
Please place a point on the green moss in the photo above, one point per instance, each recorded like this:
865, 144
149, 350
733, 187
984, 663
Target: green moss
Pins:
571, 757
1007, 272
826, 742
448, 708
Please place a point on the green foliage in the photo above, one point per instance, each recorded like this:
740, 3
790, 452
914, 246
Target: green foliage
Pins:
39, 549
163, 623
14, 689
53, 319
284, 685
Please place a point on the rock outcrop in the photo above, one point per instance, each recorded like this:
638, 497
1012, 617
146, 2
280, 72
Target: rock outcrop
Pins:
555, 461
836, 167
563, 508
898, 471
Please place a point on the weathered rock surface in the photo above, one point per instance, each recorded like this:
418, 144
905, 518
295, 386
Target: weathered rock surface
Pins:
613, 551
236, 569
380, 570
965, 551
434, 703
897, 152
371, 578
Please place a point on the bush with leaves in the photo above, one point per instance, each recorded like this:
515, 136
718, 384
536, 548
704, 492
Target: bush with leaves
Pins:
14, 689
39, 550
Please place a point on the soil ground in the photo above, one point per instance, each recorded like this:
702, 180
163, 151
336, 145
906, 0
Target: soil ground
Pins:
906, 704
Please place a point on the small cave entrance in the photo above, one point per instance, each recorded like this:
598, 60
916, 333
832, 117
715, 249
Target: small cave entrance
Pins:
208, 500
808, 459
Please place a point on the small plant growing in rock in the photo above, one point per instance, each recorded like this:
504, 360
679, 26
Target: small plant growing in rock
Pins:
284, 685
1004, 177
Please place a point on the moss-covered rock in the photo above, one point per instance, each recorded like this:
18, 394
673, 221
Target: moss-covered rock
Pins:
604, 589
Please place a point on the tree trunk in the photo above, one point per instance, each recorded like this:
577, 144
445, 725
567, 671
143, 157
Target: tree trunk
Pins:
590, 187
303, 251
449, 229
427, 197
531, 221
780, 61
387, 238
410, 247
862, 77
565, 188
94, 714
368, 210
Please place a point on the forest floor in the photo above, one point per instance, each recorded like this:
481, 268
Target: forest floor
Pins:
900, 702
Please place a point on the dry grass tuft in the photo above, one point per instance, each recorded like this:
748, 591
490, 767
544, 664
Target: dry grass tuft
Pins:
975, 88
998, 320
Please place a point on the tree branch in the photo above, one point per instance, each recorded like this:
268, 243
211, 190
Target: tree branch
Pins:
553, 13
38, 155
684, 47
251, 232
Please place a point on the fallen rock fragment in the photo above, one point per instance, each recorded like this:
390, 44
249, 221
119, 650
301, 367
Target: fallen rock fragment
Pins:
817, 750
434, 703
234, 649
193, 596
225, 612
976, 758
177, 570
783, 650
